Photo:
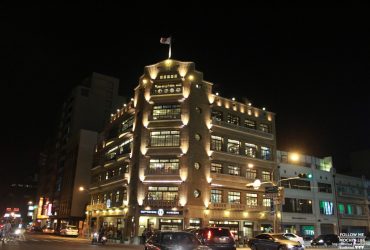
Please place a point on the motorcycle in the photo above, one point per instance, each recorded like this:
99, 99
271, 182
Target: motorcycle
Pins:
97, 239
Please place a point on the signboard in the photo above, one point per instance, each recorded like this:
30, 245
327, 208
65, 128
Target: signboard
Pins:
161, 212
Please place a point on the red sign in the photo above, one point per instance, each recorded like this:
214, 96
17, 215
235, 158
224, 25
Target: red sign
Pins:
8, 209
16, 209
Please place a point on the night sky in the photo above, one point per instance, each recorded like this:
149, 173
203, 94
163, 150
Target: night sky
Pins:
309, 66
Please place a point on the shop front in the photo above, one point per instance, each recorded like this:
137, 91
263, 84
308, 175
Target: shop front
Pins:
161, 219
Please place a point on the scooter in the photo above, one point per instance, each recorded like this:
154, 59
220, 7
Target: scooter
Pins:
103, 239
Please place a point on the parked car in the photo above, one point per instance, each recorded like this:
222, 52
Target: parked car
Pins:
294, 237
273, 241
69, 230
325, 240
164, 240
216, 238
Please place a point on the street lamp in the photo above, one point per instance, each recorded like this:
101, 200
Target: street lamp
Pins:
257, 184
82, 189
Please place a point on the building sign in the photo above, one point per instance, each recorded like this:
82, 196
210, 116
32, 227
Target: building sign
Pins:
161, 212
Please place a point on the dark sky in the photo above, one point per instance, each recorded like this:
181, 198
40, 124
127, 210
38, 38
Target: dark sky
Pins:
309, 66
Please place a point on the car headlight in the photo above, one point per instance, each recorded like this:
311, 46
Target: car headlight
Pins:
321, 241
95, 234
289, 246
17, 231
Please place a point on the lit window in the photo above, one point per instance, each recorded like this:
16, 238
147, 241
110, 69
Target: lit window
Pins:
217, 115
266, 153
266, 176
251, 150
166, 112
251, 199
234, 197
233, 170
216, 196
233, 119
265, 128
216, 143
266, 202
251, 174
250, 124
216, 168
165, 138
233, 146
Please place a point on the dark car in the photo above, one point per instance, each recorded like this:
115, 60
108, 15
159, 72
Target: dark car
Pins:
325, 240
169, 240
216, 238
273, 241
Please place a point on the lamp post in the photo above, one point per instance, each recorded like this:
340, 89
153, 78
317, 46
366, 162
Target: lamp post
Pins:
277, 201
87, 213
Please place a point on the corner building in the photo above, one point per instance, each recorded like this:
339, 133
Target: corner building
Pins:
180, 156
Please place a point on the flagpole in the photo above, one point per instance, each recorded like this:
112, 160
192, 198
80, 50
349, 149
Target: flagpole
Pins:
169, 51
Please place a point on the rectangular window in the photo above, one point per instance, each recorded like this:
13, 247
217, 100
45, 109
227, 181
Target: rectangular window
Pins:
127, 124
216, 168
266, 153
233, 146
217, 115
294, 205
233, 170
349, 209
266, 176
265, 128
162, 193
251, 173
341, 208
251, 150
166, 112
117, 196
165, 138
266, 202
216, 196
233, 119
358, 210
216, 143
167, 89
164, 165
296, 184
326, 207
251, 199
324, 187
233, 197
250, 124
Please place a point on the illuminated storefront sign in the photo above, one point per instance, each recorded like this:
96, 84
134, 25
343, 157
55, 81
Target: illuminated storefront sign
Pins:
161, 212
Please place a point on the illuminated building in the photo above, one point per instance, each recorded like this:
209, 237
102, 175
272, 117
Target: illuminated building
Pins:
309, 203
179, 156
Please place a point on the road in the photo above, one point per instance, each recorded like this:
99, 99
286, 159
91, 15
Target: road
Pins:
53, 242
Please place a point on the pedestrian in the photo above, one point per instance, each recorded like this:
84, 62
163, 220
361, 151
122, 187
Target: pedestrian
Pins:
143, 235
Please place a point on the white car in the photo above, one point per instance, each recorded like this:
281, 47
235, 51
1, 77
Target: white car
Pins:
294, 237
69, 230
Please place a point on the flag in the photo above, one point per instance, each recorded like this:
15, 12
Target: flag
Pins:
165, 40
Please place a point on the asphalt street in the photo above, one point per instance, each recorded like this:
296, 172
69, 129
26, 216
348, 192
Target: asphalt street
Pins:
53, 242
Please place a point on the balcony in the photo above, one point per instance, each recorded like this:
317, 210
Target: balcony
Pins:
248, 131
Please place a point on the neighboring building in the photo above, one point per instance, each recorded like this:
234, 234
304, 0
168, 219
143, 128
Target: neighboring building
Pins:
69, 157
19, 197
352, 204
309, 204
180, 156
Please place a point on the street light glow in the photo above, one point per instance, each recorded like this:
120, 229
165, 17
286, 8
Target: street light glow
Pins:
81, 188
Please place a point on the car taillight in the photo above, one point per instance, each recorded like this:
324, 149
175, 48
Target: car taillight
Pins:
209, 235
